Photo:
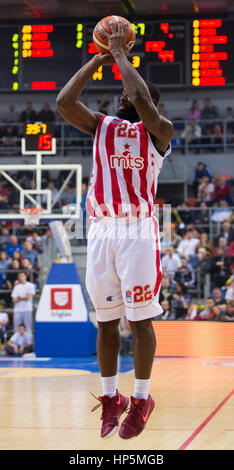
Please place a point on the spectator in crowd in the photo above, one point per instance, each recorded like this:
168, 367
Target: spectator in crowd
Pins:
17, 255
11, 116
4, 196
27, 268
229, 117
54, 194
4, 320
35, 240
181, 300
9, 138
187, 246
229, 312
20, 343
206, 313
217, 296
201, 217
29, 253
222, 190
4, 260
202, 264
103, 104
22, 295
46, 239
28, 114
170, 262
162, 110
216, 137
229, 295
185, 213
222, 212
191, 136
46, 114
227, 232
167, 313
12, 276
221, 268
13, 246
201, 170
165, 292
205, 243
24, 177
216, 313
170, 237
210, 111
184, 274
194, 113
4, 237
221, 243
66, 196
205, 190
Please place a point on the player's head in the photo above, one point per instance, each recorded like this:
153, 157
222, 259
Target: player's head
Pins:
126, 109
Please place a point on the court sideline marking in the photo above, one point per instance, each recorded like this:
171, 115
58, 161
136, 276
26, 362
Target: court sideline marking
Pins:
204, 423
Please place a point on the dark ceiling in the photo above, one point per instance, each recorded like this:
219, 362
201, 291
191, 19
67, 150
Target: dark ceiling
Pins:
22, 9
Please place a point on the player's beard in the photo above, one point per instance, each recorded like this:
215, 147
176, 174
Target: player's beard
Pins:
129, 113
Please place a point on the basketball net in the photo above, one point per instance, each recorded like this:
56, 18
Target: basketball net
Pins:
31, 215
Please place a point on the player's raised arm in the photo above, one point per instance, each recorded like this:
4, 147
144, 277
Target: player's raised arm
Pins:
73, 111
137, 89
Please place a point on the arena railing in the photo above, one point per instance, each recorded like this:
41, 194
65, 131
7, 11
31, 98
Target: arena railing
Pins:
70, 139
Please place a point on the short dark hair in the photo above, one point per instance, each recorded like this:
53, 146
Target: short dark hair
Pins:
154, 91
22, 324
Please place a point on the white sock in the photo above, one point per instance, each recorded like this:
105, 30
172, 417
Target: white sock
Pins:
141, 389
109, 385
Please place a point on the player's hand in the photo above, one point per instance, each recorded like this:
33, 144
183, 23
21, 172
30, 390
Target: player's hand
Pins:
117, 39
105, 59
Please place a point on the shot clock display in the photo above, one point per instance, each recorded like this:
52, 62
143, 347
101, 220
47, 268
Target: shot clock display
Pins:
38, 137
173, 53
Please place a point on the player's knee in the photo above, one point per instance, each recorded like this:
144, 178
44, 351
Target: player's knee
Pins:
138, 327
108, 326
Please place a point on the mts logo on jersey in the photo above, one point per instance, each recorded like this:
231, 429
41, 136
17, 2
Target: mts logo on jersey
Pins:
127, 160
61, 298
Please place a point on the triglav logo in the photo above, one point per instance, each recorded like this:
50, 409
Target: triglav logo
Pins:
126, 160
61, 298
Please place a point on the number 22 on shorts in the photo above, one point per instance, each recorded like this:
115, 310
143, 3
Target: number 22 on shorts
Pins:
142, 294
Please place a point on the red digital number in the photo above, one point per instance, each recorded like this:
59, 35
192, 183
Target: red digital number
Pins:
45, 142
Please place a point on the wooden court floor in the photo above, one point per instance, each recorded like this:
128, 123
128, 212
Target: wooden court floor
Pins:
50, 408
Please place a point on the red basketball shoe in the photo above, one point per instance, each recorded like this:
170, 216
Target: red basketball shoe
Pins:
137, 417
112, 409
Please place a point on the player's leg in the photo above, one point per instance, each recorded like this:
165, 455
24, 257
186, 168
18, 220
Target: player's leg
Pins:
108, 347
104, 289
140, 272
144, 347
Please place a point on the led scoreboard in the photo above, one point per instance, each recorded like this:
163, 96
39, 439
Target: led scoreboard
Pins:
213, 52
173, 53
158, 55
38, 137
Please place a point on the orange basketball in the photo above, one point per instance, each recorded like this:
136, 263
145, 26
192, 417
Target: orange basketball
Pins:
99, 38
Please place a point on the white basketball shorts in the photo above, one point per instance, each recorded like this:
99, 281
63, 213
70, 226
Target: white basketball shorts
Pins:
123, 275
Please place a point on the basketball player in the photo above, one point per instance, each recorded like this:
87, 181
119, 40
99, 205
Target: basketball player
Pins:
123, 268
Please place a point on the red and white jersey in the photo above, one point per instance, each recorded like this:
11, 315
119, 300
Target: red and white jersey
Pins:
125, 173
